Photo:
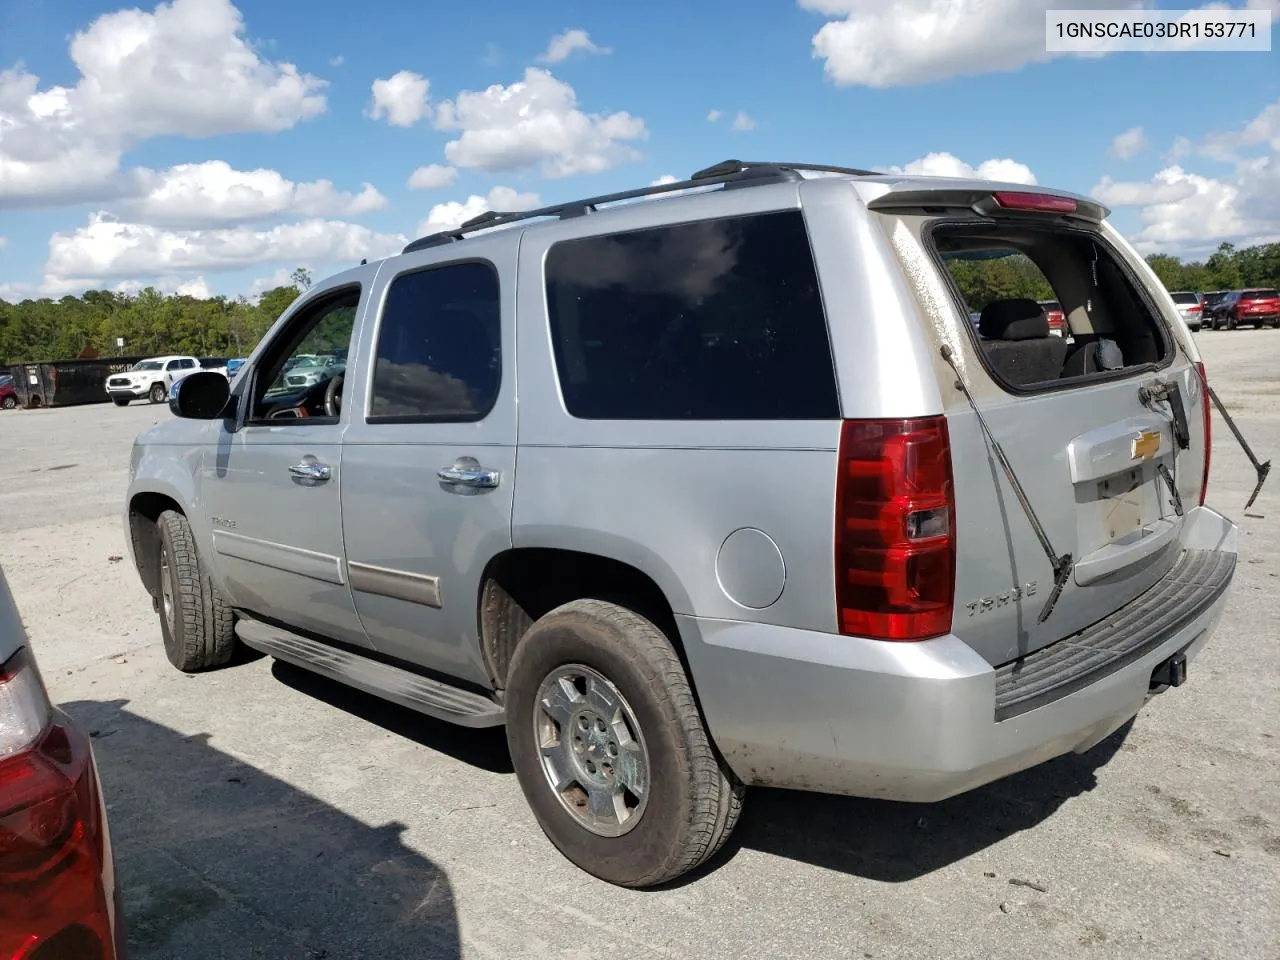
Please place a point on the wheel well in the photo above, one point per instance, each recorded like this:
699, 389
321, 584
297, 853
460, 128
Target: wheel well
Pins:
522, 585
144, 511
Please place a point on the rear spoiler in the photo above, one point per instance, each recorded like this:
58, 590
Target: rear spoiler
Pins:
986, 200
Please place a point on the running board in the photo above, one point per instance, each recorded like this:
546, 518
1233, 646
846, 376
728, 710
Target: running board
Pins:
400, 686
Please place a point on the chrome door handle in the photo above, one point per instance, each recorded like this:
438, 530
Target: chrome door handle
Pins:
310, 470
467, 472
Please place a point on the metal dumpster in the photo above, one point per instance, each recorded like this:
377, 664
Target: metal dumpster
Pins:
66, 383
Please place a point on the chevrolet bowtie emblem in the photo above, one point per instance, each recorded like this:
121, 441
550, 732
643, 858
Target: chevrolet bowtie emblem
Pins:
1146, 444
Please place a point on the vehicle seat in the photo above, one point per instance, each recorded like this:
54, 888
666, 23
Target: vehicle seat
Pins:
1017, 342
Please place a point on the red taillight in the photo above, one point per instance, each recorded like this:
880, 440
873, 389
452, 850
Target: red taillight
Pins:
895, 529
1194, 308
53, 899
1039, 202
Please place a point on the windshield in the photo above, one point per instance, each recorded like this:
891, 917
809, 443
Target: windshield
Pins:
1259, 295
1185, 298
147, 365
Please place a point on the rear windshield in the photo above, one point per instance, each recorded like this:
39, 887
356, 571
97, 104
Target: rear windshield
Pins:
1185, 298
1009, 271
1051, 305
1259, 295
1212, 298
148, 365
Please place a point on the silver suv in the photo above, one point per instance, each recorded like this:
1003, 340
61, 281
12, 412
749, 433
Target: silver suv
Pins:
714, 484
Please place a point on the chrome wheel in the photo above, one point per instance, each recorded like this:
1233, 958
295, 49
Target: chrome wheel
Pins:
592, 750
166, 590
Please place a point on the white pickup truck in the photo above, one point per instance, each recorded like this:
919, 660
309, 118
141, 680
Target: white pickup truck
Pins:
149, 378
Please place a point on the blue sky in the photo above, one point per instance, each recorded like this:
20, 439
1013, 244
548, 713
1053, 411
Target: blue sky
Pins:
212, 145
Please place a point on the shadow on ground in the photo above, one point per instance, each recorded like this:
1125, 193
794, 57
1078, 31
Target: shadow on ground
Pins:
218, 859
875, 839
896, 842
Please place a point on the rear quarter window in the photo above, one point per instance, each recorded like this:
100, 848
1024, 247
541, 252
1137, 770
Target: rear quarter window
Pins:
713, 320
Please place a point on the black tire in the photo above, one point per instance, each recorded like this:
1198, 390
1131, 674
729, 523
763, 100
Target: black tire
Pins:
693, 800
200, 635
121, 401
157, 393
8, 403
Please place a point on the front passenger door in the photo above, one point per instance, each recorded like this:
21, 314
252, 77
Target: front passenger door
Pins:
271, 483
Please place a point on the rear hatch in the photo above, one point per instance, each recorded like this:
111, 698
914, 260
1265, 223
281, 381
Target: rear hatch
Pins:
1100, 427
1258, 306
1189, 306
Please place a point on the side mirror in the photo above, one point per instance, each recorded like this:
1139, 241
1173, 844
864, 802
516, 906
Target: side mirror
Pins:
200, 396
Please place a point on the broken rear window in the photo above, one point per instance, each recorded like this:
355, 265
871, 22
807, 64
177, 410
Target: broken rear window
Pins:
1010, 272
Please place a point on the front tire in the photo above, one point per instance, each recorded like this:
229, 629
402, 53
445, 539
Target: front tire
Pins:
196, 623
157, 393
8, 403
610, 749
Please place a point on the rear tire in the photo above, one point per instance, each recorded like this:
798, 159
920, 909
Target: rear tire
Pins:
196, 623
121, 401
8, 403
157, 393
624, 676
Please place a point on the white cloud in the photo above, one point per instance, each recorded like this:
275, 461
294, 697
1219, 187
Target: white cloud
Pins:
664, 179
110, 249
213, 193
1189, 213
184, 69
714, 115
943, 164
562, 46
196, 287
4, 241
743, 122
1129, 144
879, 44
337, 61
451, 215
432, 177
282, 277
535, 122
401, 99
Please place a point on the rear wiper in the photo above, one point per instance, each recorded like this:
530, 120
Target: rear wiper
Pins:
1062, 564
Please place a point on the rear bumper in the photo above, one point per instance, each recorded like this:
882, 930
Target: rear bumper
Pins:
920, 721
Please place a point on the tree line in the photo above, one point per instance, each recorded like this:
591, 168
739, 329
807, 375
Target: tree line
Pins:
149, 322
152, 323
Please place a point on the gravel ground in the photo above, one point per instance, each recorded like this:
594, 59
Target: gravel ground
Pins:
261, 812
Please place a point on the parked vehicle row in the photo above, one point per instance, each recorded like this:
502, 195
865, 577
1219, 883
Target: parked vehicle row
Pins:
676, 496
1257, 307
154, 377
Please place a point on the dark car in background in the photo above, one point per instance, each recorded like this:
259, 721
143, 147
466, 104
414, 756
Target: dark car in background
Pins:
59, 899
1212, 301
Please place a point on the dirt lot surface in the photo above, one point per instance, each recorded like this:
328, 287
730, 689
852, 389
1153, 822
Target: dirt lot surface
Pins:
258, 812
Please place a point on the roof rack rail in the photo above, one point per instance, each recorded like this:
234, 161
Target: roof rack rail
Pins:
729, 172
727, 167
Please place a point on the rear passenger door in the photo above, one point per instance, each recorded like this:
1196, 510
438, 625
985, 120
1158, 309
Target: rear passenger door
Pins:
429, 457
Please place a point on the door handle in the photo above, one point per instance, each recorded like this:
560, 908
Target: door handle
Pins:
467, 472
312, 471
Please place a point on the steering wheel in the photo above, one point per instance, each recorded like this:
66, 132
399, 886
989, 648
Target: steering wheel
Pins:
333, 397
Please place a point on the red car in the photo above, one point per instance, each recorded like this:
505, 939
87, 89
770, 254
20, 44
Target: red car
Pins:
8, 393
1057, 319
58, 894
1259, 307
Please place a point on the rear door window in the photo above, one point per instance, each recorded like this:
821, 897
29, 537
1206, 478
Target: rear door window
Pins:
439, 356
713, 320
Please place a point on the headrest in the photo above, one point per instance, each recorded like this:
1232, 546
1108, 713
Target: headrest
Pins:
1013, 320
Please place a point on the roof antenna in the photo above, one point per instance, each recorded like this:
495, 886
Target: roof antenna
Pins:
363, 261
